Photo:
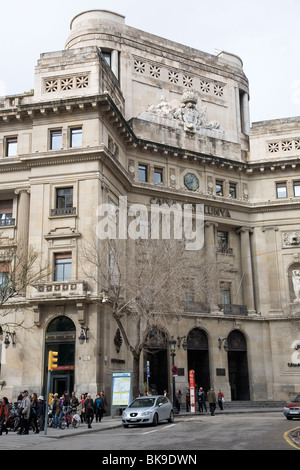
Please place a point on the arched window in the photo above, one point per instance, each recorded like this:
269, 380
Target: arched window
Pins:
61, 324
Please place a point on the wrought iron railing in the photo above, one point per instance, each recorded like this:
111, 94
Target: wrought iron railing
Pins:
232, 309
7, 222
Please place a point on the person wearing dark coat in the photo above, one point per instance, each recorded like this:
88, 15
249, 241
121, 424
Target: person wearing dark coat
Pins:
89, 410
41, 413
212, 401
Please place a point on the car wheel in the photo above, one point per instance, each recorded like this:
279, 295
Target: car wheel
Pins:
289, 418
171, 419
155, 420
126, 425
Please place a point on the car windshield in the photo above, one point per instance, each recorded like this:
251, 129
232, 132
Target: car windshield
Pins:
296, 399
142, 403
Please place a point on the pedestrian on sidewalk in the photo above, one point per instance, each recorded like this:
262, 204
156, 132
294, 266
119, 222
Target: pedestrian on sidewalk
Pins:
212, 401
188, 400
81, 408
98, 408
55, 410
41, 413
4, 415
221, 399
178, 400
104, 401
202, 400
25, 413
89, 410
34, 405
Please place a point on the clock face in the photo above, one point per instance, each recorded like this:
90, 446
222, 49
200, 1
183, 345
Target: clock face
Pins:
191, 181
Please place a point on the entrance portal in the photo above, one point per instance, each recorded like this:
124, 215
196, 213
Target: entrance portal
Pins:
60, 337
238, 366
156, 354
198, 357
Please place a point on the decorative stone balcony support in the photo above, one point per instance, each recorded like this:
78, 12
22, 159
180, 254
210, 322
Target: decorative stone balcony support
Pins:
58, 290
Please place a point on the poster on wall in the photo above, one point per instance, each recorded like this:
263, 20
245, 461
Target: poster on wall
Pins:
121, 389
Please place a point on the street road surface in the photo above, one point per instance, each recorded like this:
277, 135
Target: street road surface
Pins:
251, 431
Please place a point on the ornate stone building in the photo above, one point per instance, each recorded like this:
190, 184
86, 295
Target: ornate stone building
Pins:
121, 112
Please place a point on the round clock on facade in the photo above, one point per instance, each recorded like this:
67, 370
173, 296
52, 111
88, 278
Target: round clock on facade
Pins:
191, 181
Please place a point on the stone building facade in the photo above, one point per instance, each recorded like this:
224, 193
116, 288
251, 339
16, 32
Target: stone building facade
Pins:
121, 112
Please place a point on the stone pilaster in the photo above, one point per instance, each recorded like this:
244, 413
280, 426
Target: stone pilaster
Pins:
246, 267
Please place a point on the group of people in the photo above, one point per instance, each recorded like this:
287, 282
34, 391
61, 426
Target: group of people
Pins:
85, 407
202, 397
32, 410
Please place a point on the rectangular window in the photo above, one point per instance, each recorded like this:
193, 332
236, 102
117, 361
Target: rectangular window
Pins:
62, 267
107, 57
76, 137
56, 140
5, 286
11, 147
297, 189
6, 209
64, 198
225, 288
143, 173
222, 240
219, 188
281, 190
158, 175
232, 190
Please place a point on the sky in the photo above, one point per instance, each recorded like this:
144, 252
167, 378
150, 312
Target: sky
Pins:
265, 34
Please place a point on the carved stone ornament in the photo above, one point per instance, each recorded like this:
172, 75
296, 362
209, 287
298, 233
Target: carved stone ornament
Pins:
290, 239
118, 340
185, 114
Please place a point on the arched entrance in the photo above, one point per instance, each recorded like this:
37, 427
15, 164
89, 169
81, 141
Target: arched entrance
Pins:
198, 357
60, 337
238, 366
156, 354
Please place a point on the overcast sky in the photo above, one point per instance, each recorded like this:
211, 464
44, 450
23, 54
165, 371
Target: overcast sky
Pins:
265, 34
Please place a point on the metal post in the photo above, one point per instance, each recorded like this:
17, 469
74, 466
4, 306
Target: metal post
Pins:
46, 402
173, 383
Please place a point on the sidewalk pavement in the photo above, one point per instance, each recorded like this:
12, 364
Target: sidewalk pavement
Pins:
108, 422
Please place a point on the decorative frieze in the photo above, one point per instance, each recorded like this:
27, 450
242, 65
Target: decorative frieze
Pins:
284, 146
75, 82
205, 86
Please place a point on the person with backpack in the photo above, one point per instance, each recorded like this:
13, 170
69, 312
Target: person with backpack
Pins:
89, 410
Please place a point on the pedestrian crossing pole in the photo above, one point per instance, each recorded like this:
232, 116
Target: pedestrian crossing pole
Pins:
52, 364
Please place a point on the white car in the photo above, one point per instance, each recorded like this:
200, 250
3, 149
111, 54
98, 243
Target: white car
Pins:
148, 410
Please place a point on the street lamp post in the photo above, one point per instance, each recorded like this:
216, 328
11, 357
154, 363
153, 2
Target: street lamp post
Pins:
172, 344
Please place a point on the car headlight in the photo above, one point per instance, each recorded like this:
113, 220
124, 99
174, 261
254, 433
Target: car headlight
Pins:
146, 413
285, 409
124, 414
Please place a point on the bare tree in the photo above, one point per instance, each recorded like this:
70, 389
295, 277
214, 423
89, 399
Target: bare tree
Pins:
145, 281
19, 269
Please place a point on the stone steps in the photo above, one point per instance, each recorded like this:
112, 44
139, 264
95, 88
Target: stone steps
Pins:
253, 404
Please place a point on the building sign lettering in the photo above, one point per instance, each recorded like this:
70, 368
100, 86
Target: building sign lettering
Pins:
208, 210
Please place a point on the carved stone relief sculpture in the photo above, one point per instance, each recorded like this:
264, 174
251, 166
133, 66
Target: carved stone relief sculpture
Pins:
290, 239
296, 284
185, 115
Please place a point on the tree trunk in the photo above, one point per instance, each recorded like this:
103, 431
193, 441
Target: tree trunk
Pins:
135, 374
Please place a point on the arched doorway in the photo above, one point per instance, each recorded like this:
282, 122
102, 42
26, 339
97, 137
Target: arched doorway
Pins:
156, 355
238, 366
198, 357
60, 337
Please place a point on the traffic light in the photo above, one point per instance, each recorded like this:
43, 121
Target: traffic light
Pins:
52, 360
